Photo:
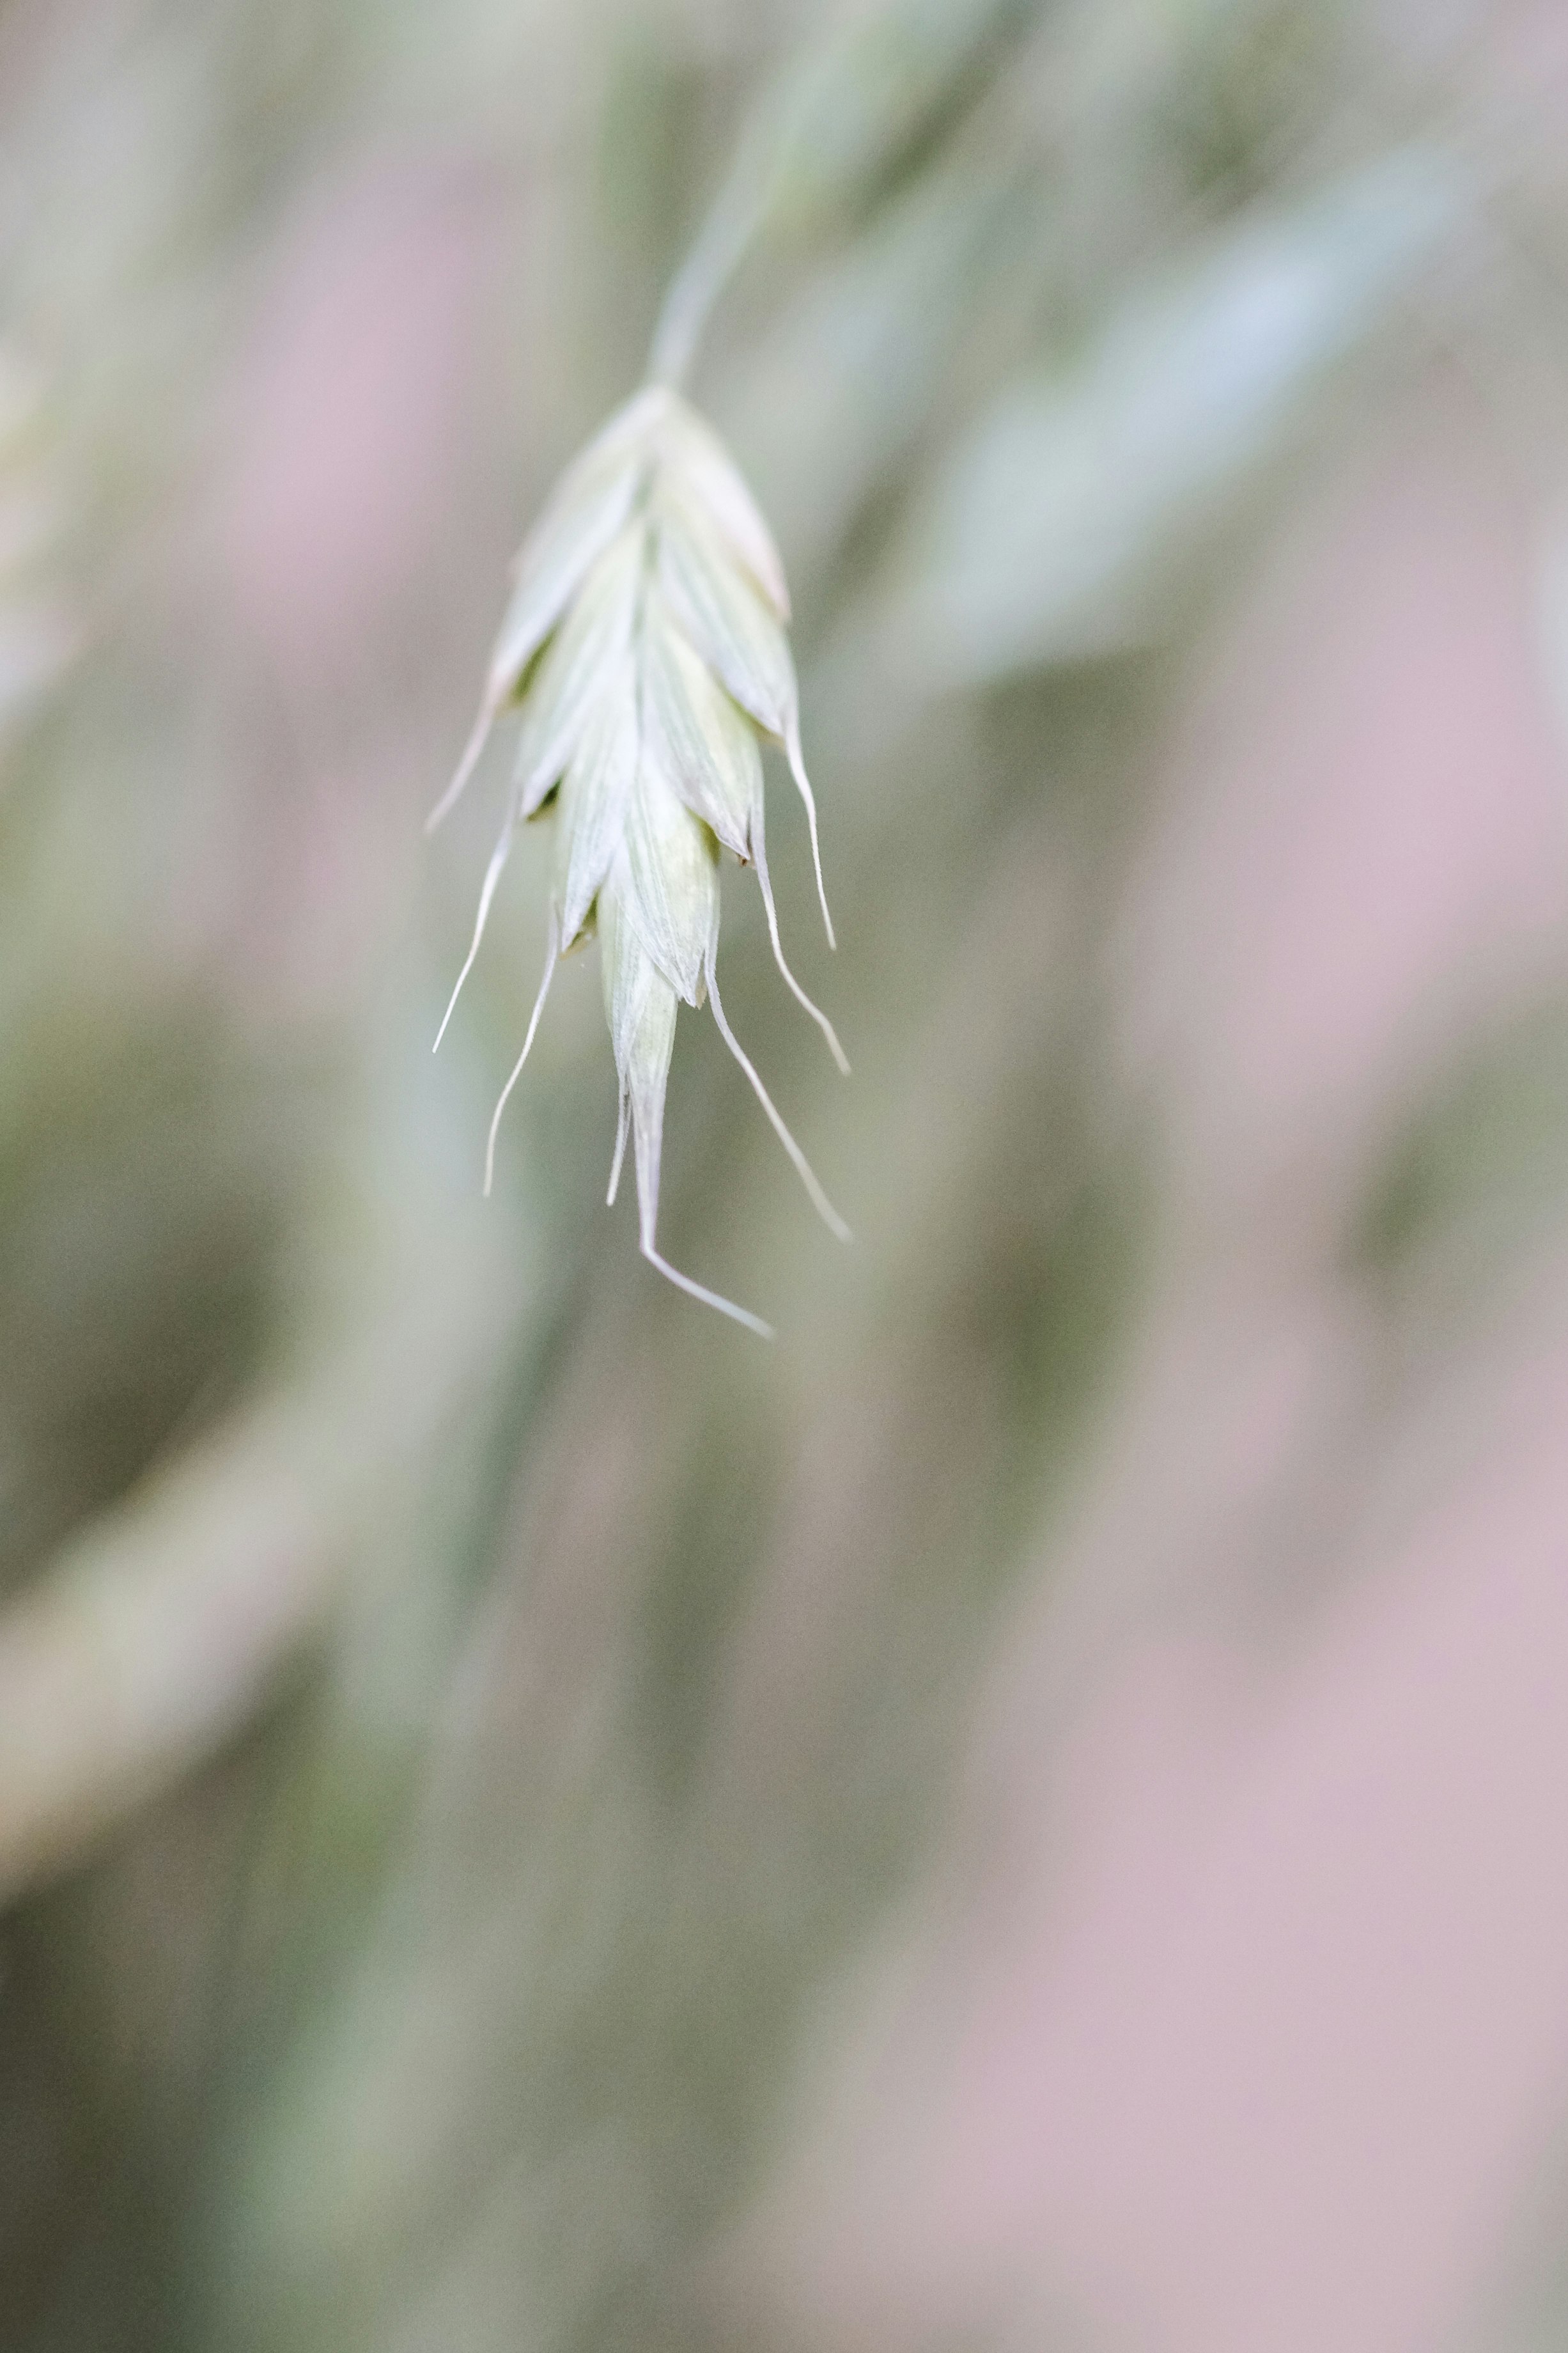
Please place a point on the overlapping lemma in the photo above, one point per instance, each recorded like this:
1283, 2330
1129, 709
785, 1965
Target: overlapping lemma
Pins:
645, 647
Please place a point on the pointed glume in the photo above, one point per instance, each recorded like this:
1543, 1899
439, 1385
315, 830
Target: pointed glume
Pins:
804, 1170
550, 961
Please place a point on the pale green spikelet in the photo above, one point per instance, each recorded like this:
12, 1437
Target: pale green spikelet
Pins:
644, 651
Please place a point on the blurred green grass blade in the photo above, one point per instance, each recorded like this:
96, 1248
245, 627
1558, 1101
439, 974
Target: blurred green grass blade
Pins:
834, 135
860, 105
1058, 524
1476, 1179
828, 400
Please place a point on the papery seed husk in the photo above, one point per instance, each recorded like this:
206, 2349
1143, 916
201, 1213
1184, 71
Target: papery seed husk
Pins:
705, 742
713, 483
628, 431
592, 810
553, 565
593, 644
666, 879
725, 621
639, 1007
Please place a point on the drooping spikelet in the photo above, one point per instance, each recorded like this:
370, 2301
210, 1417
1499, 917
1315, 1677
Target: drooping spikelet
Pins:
645, 649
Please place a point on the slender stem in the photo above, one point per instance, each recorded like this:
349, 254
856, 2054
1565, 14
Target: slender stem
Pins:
708, 269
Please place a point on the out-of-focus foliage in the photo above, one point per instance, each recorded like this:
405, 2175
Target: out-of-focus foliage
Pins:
1068, 509
469, 1721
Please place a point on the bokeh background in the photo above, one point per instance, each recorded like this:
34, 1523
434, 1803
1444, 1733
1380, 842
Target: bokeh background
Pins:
1032, 1816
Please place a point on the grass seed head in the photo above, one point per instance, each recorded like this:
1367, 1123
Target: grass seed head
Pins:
643, 651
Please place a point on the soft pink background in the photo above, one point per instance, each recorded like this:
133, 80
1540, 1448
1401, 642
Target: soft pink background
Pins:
1235, 2019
